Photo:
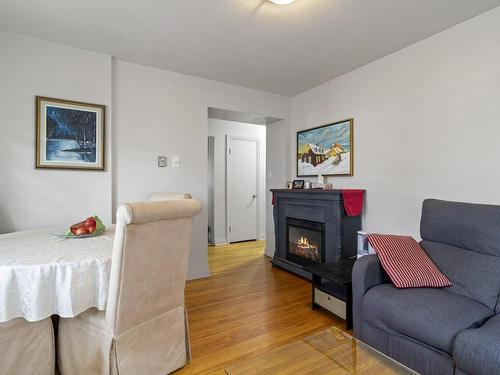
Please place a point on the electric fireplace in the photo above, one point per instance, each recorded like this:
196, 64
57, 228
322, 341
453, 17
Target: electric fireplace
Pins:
306, 241
312, 227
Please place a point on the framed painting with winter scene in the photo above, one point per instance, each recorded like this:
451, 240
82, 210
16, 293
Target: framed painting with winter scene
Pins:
327, 150
69, 134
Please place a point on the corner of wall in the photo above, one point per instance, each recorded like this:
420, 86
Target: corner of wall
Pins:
198, 274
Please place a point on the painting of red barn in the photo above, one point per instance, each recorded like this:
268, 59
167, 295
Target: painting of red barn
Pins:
327, 150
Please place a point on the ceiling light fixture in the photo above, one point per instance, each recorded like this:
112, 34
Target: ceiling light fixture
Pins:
282, 2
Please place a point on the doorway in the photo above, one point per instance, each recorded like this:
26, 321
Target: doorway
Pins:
236, 216
237, 180
211, 181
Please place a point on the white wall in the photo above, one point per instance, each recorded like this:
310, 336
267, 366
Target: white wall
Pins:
426, 123
219, 129
278, 149
34, 198
157, 112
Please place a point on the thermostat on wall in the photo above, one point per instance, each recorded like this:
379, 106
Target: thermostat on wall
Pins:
162, 161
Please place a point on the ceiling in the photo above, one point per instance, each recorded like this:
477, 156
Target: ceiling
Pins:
250, 43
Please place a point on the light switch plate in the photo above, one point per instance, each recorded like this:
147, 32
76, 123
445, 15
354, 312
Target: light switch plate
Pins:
176, 162
162, 161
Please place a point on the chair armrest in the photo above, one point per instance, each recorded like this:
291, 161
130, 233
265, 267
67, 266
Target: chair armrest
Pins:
366, 274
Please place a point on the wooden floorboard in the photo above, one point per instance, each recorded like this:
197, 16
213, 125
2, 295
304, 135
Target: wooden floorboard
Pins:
246, 308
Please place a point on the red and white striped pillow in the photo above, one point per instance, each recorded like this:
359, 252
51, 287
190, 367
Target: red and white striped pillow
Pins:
406, 263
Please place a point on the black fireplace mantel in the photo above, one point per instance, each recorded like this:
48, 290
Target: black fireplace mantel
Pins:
321, 206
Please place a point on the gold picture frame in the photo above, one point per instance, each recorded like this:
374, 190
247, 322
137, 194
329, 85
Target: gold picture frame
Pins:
69, 134
327, 150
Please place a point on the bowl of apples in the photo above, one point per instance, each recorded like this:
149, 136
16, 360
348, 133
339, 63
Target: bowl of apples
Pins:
90, 227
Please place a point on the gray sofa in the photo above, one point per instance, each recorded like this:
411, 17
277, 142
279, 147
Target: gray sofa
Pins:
453, 330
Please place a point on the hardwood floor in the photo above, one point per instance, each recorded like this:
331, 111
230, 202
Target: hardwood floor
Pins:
329, 352
246, 308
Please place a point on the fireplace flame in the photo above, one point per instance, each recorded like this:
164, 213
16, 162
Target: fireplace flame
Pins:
303, 247
304, 243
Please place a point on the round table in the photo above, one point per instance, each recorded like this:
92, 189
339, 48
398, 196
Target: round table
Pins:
42, 274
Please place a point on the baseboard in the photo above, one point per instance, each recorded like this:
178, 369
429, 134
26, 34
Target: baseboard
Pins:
220, 241
198, 274
269, 252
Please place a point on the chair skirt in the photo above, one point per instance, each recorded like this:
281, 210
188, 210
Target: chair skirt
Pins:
157, 346
27, 348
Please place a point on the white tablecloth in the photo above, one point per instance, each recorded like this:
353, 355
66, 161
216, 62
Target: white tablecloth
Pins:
41, 274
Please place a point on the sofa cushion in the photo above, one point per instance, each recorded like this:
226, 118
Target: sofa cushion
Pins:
431, 316
466, 225
473, 274
477, 351
407, 265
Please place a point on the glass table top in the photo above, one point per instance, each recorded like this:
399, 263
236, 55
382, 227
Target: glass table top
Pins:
329, 352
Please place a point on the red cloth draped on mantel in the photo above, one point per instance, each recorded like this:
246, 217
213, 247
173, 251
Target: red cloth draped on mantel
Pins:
353, 201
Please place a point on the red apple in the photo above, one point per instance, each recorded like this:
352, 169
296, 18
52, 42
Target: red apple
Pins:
86, 226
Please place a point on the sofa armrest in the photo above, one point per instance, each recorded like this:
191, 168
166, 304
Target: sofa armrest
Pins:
366, 274
477, 350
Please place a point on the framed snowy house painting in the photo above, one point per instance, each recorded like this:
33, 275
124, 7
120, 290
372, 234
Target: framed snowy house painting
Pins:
327, 150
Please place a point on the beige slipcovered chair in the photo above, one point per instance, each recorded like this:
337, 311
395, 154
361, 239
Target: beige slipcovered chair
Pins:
144, 328
169, 196
27, 348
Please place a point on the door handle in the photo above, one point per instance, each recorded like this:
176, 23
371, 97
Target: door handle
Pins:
250, 204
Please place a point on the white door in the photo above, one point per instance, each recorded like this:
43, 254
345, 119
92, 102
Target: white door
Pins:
242, 187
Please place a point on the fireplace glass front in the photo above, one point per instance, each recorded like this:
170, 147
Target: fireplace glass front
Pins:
305, 241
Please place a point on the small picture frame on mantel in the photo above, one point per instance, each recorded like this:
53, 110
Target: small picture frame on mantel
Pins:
298, 184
